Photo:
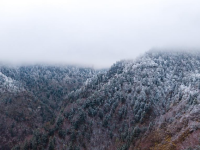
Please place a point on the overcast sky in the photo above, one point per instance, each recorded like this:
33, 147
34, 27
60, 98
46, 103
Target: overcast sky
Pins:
94, 32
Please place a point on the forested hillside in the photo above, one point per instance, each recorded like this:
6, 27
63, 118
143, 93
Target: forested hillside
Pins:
31, 96
152, 102
149, 103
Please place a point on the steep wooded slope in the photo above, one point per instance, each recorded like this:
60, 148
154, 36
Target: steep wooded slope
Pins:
152, 102
149, 103
30, 96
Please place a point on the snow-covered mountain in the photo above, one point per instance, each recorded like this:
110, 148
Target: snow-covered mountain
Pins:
152, 102
149, 103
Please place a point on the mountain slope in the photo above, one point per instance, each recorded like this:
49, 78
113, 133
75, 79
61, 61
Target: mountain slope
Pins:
152, 102
31, 97
149, 103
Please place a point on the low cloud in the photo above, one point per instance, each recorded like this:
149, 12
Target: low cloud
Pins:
94, 34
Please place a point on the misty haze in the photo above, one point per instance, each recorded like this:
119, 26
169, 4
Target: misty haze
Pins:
99, 75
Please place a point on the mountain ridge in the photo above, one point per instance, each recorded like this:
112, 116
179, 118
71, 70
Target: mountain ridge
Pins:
151, 102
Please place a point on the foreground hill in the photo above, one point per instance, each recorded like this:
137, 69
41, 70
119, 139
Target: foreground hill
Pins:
152, 102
